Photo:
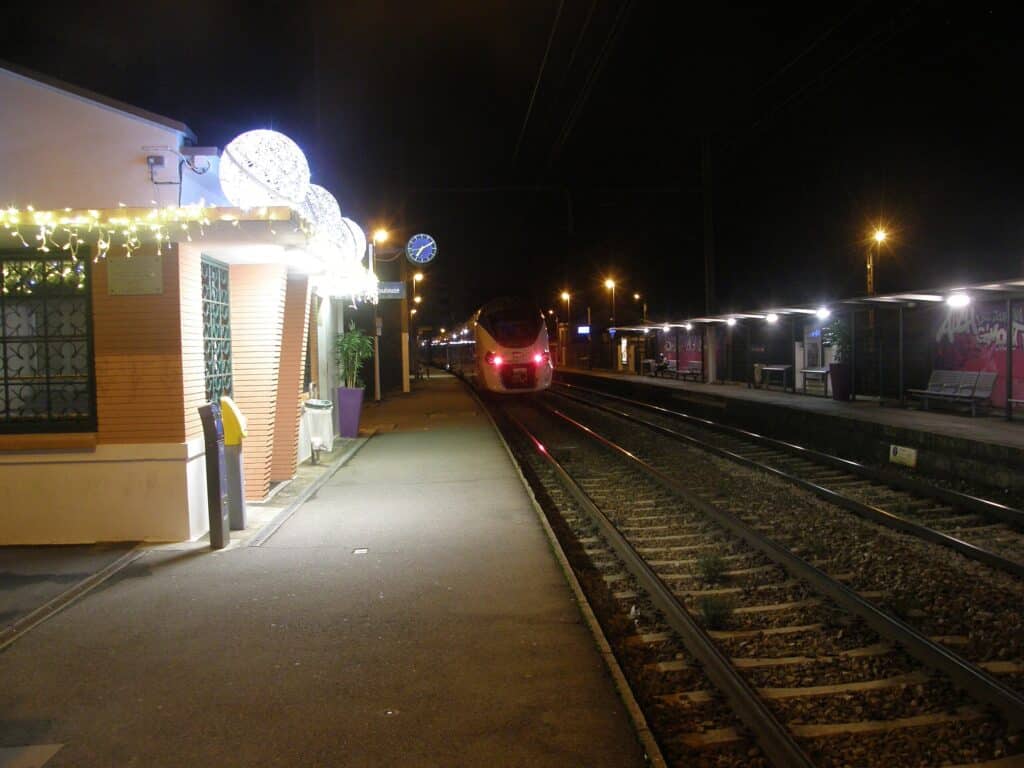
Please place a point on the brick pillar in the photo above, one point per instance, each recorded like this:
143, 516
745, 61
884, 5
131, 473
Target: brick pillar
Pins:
289, 380
257, 324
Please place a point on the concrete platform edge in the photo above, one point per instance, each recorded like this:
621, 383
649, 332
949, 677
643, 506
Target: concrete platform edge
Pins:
285, 514
72, 594
636, 715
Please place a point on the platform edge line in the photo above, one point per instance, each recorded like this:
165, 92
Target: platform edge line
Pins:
68, 597
643, 731
282, 517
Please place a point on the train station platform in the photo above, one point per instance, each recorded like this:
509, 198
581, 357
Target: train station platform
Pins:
985, 449
411, 612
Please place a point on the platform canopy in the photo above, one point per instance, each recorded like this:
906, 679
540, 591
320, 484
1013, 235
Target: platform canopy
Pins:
956, 296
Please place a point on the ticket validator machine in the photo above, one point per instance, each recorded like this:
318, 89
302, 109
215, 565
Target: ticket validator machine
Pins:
216, 476
234, 430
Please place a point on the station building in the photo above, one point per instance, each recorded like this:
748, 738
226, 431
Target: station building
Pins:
132, 293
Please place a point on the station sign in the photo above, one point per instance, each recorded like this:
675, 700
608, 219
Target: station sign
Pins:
391, 290
583, 330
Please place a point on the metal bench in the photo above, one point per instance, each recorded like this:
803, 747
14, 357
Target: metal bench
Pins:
971, 388
766, 370
816, 373
665, 367
694, 370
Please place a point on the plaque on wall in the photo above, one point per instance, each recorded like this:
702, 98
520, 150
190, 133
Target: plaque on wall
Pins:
139, 275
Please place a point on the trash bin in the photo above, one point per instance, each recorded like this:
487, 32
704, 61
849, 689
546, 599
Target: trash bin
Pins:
758, 374
216, 478
319, 416
234, 430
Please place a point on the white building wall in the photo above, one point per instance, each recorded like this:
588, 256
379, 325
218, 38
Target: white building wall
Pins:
61, 150
52, 496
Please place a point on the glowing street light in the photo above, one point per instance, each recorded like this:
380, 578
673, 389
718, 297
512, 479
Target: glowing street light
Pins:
823, 313
879, 236
567, 298
418, 277
643, 313
417, 299
610, 285
381, 235
412, 311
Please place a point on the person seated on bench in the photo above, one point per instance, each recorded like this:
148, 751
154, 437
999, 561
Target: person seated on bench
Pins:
660, 364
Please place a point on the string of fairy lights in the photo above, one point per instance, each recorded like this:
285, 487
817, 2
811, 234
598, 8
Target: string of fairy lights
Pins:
66, 231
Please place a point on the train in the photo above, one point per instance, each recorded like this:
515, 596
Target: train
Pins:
502, 348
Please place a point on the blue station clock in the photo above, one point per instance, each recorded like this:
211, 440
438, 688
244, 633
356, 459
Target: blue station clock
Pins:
421, 249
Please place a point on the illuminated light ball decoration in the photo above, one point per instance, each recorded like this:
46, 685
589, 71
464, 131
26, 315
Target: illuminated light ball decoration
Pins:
260, 168
359, 236
323, 211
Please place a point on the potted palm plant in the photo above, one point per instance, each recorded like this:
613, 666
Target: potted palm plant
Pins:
351, 349
837, 335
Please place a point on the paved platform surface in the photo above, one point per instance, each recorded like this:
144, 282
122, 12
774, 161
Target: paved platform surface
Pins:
32, 576
411, 613
993, 428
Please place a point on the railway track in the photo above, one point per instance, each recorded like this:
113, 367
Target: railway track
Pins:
978, 528
745, 652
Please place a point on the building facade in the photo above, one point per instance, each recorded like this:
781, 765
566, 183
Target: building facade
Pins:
132, 294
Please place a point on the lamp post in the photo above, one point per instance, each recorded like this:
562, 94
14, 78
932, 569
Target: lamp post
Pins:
610, 285
643, 313
567, 298
379, 236
879, 237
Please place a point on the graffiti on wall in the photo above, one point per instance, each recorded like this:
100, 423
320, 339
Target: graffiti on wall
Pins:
974, 339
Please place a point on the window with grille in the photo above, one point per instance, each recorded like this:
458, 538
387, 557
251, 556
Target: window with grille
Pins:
216, 329
47, 379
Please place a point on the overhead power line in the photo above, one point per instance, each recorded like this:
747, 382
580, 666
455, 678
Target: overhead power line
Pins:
588, 84
536, 84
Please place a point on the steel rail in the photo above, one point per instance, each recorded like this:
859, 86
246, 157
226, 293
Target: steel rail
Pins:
773, 737
979, 504
977, 683
860, 508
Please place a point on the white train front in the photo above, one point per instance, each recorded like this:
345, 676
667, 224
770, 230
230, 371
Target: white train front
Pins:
502, 348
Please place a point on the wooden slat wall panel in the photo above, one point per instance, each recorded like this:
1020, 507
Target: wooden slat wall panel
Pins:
257, 320
137, 342
289, 383
193, 365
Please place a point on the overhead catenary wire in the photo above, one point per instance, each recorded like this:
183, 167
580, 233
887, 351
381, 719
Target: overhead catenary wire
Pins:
536, 84
588, 84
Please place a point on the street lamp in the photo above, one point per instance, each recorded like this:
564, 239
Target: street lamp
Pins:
567, 298
643, 314
879, 237
610, 285
417, 299
380, 235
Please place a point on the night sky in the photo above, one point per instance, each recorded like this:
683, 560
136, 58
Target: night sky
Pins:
821, 123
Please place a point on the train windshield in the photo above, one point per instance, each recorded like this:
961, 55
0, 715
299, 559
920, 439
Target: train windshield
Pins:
512, 322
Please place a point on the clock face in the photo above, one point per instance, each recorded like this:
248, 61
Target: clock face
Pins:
420, 249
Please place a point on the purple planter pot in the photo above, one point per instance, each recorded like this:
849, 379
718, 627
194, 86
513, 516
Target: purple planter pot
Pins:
350, 406
840, 375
